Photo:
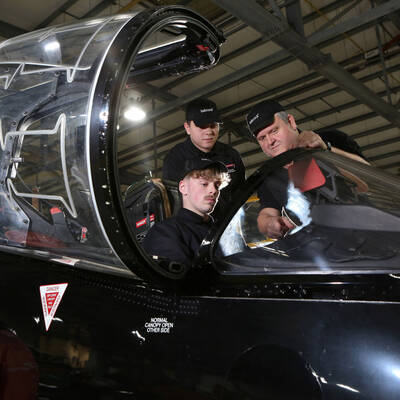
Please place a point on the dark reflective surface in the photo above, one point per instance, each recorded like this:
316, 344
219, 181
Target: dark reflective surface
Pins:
114, 339
345, 218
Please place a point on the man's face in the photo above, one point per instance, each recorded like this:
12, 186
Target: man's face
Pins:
203, 137
199, 195
278, 137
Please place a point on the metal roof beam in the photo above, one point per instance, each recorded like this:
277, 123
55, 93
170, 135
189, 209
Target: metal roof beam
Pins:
56, 14
308, 18
325, 10
342, 107
98, 9
372, 131
392, 165
8, 31
337, 17
91, 13
383, 156
270, 26
302, 89
294, 17
244, 73
380, 143
394, 17
269, 67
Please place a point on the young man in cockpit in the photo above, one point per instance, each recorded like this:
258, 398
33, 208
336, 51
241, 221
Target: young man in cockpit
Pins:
276, 132
178, 238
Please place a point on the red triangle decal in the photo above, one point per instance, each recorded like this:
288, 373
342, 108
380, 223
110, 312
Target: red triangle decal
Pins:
50, 300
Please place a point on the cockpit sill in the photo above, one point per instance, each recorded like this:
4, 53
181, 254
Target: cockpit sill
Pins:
73, 263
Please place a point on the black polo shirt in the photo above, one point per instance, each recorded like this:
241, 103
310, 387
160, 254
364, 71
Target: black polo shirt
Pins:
340, 140
174, 163
177, 238
273, 191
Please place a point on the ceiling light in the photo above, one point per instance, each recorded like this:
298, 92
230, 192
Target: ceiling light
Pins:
51, 46
134, 113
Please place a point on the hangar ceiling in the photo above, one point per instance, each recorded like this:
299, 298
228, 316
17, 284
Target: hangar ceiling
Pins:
334, 64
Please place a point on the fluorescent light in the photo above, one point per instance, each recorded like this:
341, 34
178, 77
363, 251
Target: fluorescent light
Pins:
348, 388
51, 46
134, 113
396, 372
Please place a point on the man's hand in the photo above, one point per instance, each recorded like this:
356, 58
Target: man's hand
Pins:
272, 224
311, 140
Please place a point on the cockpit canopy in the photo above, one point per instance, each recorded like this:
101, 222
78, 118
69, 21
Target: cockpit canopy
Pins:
63, 93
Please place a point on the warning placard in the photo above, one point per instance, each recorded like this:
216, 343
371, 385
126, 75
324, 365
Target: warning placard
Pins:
51, 296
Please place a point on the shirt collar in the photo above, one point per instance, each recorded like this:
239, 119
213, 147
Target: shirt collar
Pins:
193, 217
191, 147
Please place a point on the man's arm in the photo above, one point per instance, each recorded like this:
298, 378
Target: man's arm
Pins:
312, 140
354, 157
272, 224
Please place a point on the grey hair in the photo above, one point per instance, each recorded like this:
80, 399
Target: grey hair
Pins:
283, 115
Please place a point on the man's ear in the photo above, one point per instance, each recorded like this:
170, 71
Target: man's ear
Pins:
183, 187
292, 121
187, 127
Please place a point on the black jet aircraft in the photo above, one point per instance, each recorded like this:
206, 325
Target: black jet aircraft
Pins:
85, 313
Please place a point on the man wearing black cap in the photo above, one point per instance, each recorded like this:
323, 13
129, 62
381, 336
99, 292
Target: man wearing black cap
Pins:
276, 132
178, 238
202, 126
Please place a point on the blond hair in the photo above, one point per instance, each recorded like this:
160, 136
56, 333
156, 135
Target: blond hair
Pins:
209, 174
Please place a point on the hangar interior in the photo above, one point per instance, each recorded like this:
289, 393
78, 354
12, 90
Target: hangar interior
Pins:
332, 64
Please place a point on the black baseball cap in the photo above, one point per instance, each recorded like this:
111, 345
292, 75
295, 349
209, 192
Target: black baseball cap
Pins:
198, 164
202, 111
262, 115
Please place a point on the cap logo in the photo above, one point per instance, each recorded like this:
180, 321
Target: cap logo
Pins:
203, 110
254, 118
